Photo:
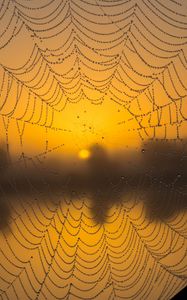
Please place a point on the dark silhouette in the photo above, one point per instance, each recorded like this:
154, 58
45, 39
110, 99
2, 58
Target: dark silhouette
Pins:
4, 208
102, 181
165, 164
157, 175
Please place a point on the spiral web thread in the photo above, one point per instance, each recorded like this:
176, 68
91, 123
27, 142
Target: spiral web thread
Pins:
137, 49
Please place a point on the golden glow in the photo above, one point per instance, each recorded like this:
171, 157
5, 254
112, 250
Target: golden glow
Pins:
74, 75
84, 154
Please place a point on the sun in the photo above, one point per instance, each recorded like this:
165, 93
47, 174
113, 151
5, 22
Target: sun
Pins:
84, 154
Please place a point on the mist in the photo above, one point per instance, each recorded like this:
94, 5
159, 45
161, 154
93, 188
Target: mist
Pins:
156, 174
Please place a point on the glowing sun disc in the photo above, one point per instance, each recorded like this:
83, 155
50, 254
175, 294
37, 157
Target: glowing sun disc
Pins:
84, 154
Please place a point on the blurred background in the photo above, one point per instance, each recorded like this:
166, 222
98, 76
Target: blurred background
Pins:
93, 149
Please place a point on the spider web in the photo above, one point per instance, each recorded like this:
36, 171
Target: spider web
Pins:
132, 53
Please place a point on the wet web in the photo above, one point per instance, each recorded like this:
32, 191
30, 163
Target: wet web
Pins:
132, 53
